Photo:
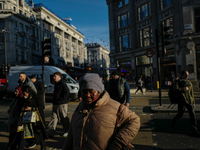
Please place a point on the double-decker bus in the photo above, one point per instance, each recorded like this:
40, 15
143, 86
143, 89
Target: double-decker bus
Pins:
74, 71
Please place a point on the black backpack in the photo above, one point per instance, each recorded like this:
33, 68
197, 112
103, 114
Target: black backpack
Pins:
173, 94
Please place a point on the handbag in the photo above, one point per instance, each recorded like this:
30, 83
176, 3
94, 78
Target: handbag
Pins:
124, 147
29, 117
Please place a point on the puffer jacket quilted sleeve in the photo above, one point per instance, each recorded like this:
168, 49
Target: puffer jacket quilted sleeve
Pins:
93, 129
129, 125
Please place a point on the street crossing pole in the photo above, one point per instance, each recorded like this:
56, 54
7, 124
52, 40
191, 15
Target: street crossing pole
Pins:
158, 64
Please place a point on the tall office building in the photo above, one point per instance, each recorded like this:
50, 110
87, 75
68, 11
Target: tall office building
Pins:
132, 33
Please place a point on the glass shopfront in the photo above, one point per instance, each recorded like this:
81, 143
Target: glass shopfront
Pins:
168, 65
143, 69
125, 66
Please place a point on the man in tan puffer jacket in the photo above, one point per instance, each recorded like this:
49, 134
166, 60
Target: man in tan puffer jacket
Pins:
94, 119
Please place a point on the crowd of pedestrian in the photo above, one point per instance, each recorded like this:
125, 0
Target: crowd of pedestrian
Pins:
102, 120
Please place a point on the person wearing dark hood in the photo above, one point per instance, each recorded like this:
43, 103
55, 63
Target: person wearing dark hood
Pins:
39, 87
186, 100
60, 104
24, 80
94, 120
118, 88
15, 133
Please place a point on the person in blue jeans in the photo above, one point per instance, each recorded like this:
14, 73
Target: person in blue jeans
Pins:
118, 88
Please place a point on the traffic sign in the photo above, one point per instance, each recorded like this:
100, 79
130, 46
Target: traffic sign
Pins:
150, 53
46, 59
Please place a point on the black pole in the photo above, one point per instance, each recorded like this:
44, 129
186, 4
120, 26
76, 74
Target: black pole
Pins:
151, 74
158, 64
42, 44
5, 53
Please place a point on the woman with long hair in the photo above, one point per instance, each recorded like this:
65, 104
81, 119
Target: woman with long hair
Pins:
33, 103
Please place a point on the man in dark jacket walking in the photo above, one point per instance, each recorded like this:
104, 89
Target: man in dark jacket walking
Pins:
24, 80
60, 100
119, 89
39, 87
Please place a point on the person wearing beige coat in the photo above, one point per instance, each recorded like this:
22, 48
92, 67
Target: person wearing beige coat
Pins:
94, 119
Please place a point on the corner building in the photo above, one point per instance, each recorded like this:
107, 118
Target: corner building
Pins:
26, 25
132, 32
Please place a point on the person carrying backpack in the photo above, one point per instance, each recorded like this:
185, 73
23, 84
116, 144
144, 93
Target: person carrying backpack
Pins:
186, 100
118, 88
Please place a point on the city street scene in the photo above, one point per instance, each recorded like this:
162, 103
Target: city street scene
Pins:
100, 75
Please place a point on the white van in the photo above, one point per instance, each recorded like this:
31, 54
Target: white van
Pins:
14, 71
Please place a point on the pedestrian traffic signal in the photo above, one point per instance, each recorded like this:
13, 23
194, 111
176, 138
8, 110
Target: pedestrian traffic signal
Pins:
166, 33
46, 49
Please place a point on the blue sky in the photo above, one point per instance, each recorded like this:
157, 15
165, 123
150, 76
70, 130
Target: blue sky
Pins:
89, 16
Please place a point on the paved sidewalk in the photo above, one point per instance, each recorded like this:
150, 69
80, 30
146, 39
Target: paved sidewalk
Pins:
166, 108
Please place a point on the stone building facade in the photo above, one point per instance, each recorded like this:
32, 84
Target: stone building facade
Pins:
98, 59
132, 32
27, 24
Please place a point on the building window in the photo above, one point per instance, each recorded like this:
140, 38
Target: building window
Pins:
26, 29
26, 42
122, 3
15, 38
27, 56
14, 8
1, 6
167, 23
21, 27
124, 42
119, 21
73, 48
21, 41
37, 46
25, 14
15, 24
66, 36
58, 31
47, 25
57, 42
20, 12
73, 40
16, 56
22, 56
66, 46
146, 37
47, 34
165, 3
197, 20
33, 44
144, 11
123, 20
32, 31
1, 38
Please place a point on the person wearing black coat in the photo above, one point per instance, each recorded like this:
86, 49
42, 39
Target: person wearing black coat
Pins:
60, 105
39, 87
34, 103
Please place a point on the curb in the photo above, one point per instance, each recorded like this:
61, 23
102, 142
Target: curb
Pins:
172, 109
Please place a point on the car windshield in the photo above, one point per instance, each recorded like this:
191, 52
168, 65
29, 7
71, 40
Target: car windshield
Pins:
67, 78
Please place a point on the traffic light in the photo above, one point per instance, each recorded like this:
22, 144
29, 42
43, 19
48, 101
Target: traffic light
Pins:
46, 49
86, 68
5, 68
166, 33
